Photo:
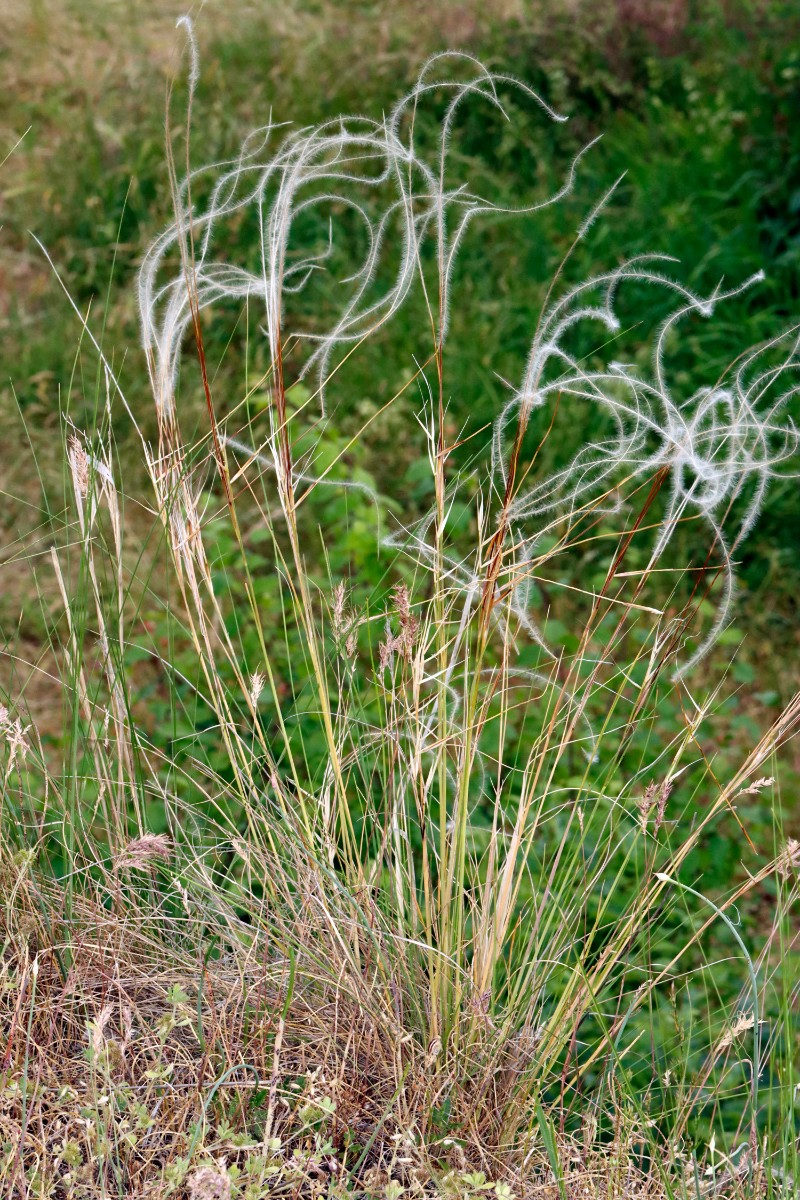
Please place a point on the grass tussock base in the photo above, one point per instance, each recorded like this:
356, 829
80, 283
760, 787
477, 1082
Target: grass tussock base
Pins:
132, 1070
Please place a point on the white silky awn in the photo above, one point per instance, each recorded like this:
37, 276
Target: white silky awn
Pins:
719, 447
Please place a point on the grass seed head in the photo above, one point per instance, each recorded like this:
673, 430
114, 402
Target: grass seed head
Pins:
145, 850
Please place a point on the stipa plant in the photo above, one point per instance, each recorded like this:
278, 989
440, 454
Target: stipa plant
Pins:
427, 916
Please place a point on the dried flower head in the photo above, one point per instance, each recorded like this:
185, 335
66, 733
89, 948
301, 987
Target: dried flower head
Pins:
789, 860
79, 466
655, 797
98, 1027
741, 1023
145, 850
343, 622
337, 608
15, 735
401, 643
209, 1183
757, 786
256, 687
386, 650
409, 624
402, 602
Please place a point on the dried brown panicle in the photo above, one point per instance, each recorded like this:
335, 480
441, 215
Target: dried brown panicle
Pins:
386, 650
15, 736
144, 850
337, 609
655, 797
741, 1023
98, 1027
409, 625
344, 621
402, 602
789, 859
401, 643
79, 465
757, 786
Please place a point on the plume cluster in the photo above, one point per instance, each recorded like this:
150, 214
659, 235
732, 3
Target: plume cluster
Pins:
713, 452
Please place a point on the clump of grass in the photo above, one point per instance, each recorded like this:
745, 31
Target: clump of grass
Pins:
416, 932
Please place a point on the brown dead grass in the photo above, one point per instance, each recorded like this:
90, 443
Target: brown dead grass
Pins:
111, 1086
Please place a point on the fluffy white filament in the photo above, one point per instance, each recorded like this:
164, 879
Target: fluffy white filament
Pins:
719, 447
